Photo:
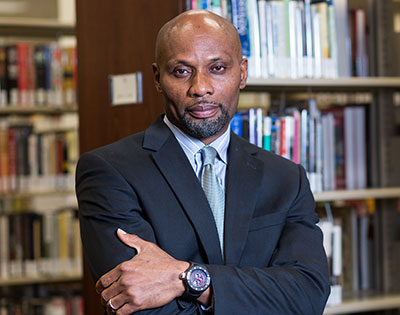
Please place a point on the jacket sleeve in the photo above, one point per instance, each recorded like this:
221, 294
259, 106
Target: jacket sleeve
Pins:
297, 279
107, 202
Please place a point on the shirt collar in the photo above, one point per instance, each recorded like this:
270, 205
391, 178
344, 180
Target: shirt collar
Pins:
193, 145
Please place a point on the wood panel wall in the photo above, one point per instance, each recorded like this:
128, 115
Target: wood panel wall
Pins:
115, 37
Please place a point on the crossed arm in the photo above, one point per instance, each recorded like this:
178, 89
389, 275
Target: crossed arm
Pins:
149, 280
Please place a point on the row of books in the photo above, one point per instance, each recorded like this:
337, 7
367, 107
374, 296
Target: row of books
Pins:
296, 39
60, 304
34, 244
37, 74
330, 144
351, 243
38, 153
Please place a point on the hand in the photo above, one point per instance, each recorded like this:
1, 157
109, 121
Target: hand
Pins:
150, 279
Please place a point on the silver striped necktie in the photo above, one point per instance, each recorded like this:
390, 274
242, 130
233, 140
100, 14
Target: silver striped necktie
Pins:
214, 192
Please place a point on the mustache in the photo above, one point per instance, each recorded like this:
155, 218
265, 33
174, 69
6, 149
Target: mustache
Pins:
205, 102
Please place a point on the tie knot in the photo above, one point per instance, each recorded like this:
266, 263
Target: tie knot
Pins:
208, 153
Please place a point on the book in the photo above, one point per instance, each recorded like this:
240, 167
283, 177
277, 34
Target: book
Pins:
12, 75
3, 76
358, 29
254, 58
343, 41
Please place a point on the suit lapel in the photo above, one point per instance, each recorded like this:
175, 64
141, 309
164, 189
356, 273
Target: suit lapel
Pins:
243, 180
176, 169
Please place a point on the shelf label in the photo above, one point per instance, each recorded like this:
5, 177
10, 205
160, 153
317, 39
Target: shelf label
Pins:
126, 89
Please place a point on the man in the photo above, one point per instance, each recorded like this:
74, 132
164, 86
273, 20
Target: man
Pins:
146, 209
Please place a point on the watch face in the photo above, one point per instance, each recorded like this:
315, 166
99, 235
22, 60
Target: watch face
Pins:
198, 278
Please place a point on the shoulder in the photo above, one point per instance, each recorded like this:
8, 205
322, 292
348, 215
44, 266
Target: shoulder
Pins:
121, 147
120, 154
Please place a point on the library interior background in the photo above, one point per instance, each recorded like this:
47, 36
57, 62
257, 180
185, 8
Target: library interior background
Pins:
323, 91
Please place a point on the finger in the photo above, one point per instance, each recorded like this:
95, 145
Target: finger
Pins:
111, 306
131, 240
128, 309
111, 292
107, 279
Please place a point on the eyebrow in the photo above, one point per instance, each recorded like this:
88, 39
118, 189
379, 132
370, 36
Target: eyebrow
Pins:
187, 63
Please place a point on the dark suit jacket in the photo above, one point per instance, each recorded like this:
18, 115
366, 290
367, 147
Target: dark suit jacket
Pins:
144, 184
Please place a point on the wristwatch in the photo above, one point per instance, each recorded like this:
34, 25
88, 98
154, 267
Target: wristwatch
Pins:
196, 279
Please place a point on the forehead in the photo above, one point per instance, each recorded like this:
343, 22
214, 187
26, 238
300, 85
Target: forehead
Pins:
198, 47
206, 39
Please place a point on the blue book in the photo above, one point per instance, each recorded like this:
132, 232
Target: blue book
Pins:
237, 124
241, 22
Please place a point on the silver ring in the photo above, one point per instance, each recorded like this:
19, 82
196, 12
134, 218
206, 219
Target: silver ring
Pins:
111, 306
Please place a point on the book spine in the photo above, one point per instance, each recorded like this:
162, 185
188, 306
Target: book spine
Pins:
12, 75
267, 133
3, 76
262, 13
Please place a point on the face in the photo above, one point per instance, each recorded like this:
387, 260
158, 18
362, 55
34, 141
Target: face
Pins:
200, 73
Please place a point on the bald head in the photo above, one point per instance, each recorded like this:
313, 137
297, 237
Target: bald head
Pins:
194, 23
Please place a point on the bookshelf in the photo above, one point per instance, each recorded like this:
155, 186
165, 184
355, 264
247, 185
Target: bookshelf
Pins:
359, 194
70, 277
43, 196
109, 32
359, 83
53, 110
368, 304
25, 26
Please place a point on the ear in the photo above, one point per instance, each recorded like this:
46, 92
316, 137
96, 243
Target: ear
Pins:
243, 73
156, 72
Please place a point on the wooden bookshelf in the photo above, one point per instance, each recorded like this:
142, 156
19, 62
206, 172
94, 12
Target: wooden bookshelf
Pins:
38, 193
359, 194
19, 110
69, 277
24, 26
365, 305
359, 83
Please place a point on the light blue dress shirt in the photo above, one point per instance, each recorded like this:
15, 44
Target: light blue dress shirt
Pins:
191, 147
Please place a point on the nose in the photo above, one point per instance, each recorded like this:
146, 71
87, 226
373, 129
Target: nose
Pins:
201, 85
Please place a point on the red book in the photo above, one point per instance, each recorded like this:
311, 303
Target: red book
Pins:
22, 51
340, 165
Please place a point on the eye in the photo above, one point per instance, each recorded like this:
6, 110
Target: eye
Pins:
181, 72
218, 68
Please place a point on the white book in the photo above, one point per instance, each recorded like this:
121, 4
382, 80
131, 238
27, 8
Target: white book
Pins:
360, 148
317, 42
252, 126
291, 11
349, 143
254, 32
309, 34
333, 71
328, 130
262, 14
337, 265
343, 41
318, 153
280, 40
300, 39
304, 139
270, 40
259, 127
